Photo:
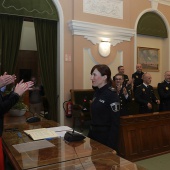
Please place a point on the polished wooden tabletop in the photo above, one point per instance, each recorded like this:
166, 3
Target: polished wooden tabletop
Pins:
87, 154
18, 119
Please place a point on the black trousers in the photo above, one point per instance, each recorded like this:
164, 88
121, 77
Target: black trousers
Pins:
105, 136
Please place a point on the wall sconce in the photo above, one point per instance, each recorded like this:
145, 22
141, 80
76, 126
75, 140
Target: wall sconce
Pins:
104, 48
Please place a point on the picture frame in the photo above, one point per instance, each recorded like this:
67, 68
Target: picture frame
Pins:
148, 58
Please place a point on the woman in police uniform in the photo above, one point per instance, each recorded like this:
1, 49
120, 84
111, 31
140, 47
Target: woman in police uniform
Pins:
104, 108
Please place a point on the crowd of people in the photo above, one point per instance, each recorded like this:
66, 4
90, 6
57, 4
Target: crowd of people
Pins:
112, 96
110, 100
143, 93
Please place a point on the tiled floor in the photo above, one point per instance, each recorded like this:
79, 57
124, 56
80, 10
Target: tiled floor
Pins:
161, 162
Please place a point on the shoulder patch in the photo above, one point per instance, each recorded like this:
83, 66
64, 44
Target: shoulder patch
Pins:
112, 89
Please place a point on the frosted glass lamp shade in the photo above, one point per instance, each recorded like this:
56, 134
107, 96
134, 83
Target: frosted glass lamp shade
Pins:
104, 48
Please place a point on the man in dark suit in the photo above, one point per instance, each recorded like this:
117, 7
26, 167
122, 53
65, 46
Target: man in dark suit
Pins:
164, 92
124, 94
137, 77
145, 96
121, 70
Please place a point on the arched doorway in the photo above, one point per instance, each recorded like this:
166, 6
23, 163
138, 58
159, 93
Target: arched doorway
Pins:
149, 38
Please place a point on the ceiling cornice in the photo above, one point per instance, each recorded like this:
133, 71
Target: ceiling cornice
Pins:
165, 2
99, 32
154, 3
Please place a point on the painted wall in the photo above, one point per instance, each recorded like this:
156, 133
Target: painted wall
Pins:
80, 55
132, 11
28, 41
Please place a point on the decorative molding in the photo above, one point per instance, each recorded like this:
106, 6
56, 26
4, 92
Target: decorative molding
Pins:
154, 3
98, 32
165, 2
106, 8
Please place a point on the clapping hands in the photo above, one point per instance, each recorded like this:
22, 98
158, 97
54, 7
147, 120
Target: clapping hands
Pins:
6, 79
22, 87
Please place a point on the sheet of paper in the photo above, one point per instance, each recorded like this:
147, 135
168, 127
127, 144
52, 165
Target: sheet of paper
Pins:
34, 130
61, 133
60, 128
42, 133
35, 145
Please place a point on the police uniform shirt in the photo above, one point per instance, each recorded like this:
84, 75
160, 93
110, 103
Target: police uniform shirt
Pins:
137, 77
124, 100
144, 95
105, 116
164, 93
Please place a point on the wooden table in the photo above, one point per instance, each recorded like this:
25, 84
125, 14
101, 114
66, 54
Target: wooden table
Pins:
83, 155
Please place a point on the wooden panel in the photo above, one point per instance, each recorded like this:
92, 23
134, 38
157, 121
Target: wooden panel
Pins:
144, 135
165, 130
133, 142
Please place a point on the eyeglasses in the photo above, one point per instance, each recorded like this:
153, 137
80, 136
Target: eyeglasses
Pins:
118, 79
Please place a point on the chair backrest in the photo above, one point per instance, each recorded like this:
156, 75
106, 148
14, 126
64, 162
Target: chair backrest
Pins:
78, 96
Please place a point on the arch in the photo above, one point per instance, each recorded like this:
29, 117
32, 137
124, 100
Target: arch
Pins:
152, 24
60, 72
135, 27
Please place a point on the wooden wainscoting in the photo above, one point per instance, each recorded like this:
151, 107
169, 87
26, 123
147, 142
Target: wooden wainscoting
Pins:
144, 135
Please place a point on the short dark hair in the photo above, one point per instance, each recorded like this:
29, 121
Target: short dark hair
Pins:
104, 70
119, 74
119, 67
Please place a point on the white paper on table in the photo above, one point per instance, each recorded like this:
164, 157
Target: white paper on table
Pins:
60, 128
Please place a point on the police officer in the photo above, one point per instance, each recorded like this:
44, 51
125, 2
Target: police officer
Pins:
145, 96
121, 70
137, 77
164, 92
124, 94
104, 108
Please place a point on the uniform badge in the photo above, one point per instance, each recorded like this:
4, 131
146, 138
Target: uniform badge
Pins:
102, 101
115, 106
167, 88
143, 89
136, 76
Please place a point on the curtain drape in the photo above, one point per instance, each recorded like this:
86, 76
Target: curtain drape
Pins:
46, 37
10, 35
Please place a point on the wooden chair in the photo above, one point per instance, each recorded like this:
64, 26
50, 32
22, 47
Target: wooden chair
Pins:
80, 99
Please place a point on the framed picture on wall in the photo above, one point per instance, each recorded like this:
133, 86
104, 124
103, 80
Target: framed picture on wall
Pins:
148, 58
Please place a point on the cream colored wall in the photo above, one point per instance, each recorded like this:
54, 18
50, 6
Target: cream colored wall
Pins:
28, 41
132, 10
77, 71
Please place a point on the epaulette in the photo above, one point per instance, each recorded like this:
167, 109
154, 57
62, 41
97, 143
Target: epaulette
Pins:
112, 89
139, 85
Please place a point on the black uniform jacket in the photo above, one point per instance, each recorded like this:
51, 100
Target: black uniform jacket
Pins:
145, 95
6, 103
164, 94
124, 110
137, 77
105, 117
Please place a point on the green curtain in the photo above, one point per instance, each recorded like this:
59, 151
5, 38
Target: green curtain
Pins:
46, 37
10, 35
